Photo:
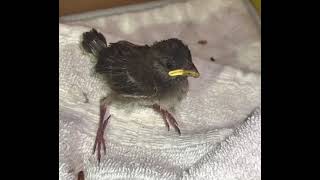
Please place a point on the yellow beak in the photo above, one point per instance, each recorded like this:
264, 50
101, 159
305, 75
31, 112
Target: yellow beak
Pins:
182, 72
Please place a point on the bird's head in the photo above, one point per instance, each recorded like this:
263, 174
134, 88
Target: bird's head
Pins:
173, 59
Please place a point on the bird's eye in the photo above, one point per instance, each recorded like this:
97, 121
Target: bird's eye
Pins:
169, 65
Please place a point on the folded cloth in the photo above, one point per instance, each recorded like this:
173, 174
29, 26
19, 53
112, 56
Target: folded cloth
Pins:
239, 157
217, 141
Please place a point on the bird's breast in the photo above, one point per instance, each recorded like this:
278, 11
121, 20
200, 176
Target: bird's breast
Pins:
173, 92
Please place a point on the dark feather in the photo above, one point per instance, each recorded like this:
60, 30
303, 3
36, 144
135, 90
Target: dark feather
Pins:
93, 42
140, 71
125, 67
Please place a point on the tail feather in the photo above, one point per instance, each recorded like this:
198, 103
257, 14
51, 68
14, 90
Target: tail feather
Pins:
93, 42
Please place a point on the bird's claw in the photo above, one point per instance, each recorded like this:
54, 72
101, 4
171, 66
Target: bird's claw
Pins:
167, 117
100, 141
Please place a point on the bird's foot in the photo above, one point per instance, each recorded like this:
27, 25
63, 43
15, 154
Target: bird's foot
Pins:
167, 117
100, 141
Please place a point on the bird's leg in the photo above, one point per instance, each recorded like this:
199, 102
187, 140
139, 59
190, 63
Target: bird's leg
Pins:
158, 109
102, 126
167, 117
172, 121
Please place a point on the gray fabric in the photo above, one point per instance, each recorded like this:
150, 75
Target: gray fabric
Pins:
138, 143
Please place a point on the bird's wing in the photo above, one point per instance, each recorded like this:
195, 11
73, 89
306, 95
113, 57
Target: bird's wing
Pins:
125, 67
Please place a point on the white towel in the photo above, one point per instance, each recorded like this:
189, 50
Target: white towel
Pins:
138, 144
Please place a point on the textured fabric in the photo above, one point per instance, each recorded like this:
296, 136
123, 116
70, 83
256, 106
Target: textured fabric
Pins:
217, 106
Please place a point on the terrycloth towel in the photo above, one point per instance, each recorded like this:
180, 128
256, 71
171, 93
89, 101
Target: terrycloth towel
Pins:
218, 139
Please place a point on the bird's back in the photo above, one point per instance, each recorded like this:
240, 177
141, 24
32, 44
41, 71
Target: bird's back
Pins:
126, 69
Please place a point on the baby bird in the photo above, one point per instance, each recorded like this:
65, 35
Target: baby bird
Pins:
154, 76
